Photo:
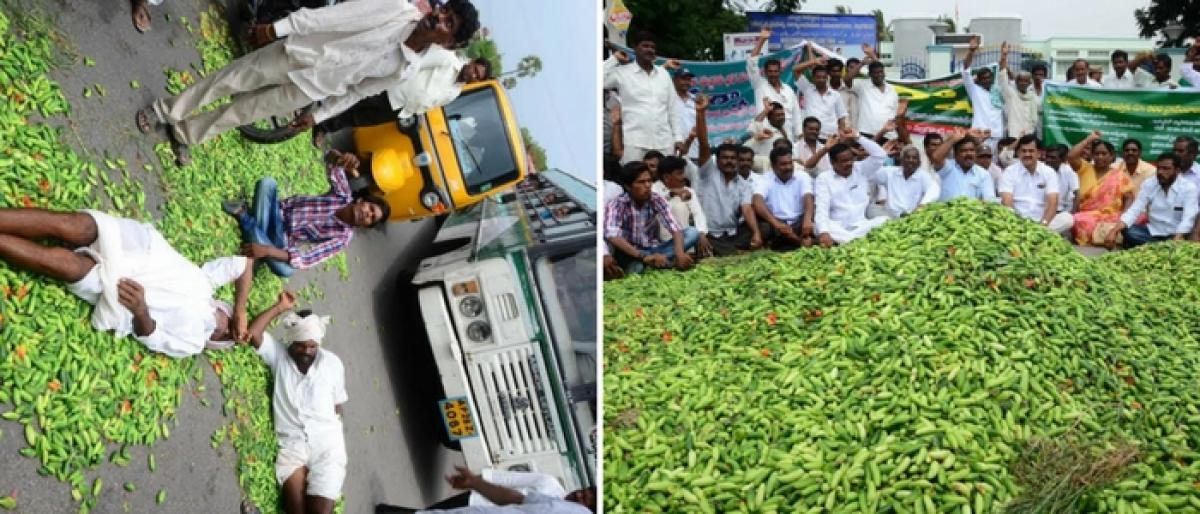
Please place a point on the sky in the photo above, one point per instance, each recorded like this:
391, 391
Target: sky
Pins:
1042, 18
560, 104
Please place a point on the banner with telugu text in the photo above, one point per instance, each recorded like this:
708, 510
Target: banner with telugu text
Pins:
1154, 117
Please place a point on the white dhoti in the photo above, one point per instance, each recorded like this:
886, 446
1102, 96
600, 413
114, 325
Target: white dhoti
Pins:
325, 459
842, 234
1062, 223
178, 294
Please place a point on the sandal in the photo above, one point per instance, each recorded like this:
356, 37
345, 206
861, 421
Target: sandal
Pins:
146, 120
141, 15
248, 507
318, 138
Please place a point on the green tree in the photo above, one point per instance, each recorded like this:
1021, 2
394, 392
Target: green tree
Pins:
529, 66
686, 29
784, 6
536, 153
945, 18
881, 29
842, 9
1161, 13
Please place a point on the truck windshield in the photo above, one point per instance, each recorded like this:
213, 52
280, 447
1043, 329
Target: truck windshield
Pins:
481, 142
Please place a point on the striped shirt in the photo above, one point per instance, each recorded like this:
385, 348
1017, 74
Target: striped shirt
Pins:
311, 220
639, 225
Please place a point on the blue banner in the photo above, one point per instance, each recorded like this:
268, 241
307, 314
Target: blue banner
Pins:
841, 33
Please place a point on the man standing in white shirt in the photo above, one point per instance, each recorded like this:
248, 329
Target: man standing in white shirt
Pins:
906, 189
1172, 206
306, 402
1079, 74
685, 107
1030, 188
877, 100
1121, 77
842, 195
1186, 147
1021, 103
821, 101
767, 84
784, 204
648, 100
1160, 79
837, 71
489, 497
987, 106
342, 53
1190, 62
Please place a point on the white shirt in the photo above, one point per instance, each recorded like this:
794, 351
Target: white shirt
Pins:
785, 200
648, 110
687, 121
1112, 81
984, 114
1029, 190
904, 195
875, 106
524, 482
762, 147
763, 90
1068, 187
303, 403
1146, 80
178, 294
1020, 112
1192, 175
828, 107
1188, 72
844, 200
430, 81
688, 214
352, 49
803, 153
1171, 212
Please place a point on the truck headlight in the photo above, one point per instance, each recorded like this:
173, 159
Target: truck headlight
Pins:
471, 306
479, 331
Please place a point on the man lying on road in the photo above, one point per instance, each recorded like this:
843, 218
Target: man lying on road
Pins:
137, 281
306, 401
276, 230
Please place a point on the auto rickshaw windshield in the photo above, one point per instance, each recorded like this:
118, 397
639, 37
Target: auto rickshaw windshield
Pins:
481, 142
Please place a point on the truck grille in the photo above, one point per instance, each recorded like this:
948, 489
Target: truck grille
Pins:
516, 415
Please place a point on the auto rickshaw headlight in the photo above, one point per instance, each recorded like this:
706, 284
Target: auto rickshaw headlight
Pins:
430, 200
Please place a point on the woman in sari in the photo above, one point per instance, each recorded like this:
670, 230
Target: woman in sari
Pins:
1104, 190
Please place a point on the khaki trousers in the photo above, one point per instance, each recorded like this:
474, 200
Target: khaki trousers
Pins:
258, 83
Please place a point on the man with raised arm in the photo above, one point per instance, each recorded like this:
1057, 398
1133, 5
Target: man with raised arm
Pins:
821, 101
960, 176
767, 83
987, 103
843, 194
877, 100
306, 402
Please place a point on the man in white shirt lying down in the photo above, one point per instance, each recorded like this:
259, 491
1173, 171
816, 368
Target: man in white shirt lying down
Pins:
138, 283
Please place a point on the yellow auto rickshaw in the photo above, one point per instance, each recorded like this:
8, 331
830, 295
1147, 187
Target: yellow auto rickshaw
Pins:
448, 158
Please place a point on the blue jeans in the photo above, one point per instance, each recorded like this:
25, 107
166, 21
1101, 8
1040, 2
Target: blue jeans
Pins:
667, 248
1137, 235
265, 225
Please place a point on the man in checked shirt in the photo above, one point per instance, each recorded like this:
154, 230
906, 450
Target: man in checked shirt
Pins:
277, 231
632, 220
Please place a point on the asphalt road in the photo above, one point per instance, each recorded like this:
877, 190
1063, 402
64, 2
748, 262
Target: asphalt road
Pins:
392, 428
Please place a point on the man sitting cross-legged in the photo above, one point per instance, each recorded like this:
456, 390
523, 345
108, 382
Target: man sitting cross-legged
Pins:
137, 281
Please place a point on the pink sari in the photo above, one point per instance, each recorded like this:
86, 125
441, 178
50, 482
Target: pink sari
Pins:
1100, 207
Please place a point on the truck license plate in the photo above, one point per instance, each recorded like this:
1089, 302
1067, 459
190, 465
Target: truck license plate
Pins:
460, 424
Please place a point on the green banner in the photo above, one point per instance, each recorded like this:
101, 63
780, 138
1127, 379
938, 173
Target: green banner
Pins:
1154, 117
935, 105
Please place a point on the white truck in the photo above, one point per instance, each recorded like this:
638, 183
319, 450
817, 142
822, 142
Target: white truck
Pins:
509, 307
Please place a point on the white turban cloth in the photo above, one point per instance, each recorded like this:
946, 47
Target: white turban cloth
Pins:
310, 328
